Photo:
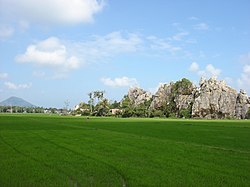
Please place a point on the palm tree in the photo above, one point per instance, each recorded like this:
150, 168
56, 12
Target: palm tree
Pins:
91, 101
103, 107
99, 95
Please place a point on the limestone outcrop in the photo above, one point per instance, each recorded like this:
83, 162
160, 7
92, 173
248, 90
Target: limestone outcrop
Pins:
138, 96
242, 105
184, 101
174, 97
162, 96
214, 99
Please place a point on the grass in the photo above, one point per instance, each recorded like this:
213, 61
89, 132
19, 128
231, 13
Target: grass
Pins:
41, 150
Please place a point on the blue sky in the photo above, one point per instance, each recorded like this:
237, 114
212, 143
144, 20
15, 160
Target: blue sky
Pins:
53, 51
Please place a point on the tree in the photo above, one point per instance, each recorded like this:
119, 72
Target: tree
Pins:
184, 87
66, 106
127, 113
99, 95
125, 103
102, 107
66, 103
91, 101
127, 110
115, 104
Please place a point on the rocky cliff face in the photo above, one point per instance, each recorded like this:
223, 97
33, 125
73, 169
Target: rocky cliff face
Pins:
242, 105
184, 101
138, 96
174, 97
214, 99
162, 96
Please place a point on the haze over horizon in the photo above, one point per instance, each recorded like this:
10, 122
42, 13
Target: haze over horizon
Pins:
53, 51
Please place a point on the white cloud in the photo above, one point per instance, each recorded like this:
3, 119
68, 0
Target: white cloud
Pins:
208, 72
39, 74
194, 67
201, 26
179, 36
155, 89
246, 69
102, 47
193, 18
115, 42
245, 59
51, 12
162, 44
229, 80
13, 86
3, 76
50, 52
244, 80
63, 56
191, 41
176, 24
23, 25
119, 82
6, 31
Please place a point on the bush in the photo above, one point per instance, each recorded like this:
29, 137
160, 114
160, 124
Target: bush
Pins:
185, 113
127, 113
156, 113
184, 87
172, 115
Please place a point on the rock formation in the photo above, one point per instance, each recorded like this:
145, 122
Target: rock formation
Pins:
174, 97
138, 96
214, 99
184, 101
162, 96
242, 105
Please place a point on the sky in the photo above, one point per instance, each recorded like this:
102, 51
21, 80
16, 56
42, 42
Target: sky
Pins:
60, 50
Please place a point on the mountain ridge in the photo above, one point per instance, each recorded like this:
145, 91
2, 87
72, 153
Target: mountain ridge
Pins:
16, 101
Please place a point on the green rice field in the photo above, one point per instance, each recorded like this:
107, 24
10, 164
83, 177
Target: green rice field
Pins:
43, 150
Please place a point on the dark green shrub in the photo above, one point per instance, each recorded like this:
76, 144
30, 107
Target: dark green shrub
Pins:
156, 113
185, 113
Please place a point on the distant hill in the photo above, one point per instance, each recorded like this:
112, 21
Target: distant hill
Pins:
16, 101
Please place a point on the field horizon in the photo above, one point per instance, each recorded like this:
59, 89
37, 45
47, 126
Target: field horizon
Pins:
43, 150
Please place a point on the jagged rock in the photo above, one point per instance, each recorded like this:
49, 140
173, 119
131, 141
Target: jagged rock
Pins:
138, 96
242, 105
214, 99
161, 97
183, 101
178, 95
